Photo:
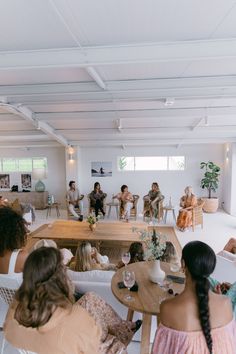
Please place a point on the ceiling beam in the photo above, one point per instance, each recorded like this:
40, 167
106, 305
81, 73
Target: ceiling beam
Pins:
122, 54
29, 116
151, 142
138, 114
223, 86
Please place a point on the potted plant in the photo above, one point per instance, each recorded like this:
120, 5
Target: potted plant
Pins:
92, 219
210, 181
155, 246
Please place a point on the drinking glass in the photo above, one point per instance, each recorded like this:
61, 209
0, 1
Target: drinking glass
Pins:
174, 264
129, 281
125, 258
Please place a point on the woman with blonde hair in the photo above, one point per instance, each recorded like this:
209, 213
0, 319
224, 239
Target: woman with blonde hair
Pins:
44, 318
187, 202
88, 258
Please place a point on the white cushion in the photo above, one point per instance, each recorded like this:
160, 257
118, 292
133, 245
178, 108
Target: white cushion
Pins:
225, 269
103, 276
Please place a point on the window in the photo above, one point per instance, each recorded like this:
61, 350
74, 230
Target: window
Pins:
151, 163
9, 165
25, 165
176, 162
22, 164
40, 162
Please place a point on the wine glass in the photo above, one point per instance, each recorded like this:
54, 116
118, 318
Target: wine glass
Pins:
129, 281
174, 263
125, 258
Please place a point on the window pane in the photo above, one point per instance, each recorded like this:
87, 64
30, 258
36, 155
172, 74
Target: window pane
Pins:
40, 162
126, 163
176, 162
150, 163
25, 165
9, 165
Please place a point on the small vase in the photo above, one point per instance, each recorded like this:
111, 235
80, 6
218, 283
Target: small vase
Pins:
156, 274
92, 227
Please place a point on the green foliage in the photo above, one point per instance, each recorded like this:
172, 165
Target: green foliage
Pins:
155, 243
122, 163
210, 180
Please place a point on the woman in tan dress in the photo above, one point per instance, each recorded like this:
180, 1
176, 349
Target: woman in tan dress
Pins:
44, 318
187, 202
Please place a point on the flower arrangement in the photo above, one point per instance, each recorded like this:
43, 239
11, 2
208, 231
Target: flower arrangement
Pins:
92, 219
155, 243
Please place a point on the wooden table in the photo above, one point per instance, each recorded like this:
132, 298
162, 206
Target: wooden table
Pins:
70, 232
147, 299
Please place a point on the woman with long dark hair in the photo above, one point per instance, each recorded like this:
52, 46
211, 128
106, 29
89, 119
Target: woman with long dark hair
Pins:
44, 318
96, 199
197, 321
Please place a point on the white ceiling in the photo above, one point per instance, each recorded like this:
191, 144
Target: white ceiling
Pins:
98, 73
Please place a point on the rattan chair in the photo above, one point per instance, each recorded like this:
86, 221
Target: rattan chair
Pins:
8, 286
77, 209
133, 210
197, 214
147, 206
91, 208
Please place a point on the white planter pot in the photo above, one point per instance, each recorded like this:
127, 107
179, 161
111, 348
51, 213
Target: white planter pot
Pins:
156, 274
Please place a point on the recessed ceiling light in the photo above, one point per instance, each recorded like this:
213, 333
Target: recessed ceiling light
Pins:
169, 101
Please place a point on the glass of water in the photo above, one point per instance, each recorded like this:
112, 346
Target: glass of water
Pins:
125, 258
129, 281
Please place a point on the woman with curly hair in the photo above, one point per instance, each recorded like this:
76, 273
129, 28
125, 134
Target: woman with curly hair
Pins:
197, 321
44, 318
13, 236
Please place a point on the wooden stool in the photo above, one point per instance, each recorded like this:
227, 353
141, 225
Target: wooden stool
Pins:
169, 208
49, 208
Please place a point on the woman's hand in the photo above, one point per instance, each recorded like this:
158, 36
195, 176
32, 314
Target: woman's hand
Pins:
222, 288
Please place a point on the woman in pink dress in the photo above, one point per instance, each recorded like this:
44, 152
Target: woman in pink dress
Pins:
126, 202
197, 321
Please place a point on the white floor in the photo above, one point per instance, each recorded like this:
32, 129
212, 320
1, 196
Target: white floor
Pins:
216, 232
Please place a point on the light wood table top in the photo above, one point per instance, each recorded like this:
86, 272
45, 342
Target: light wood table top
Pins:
147, 299
74, 230
114, 231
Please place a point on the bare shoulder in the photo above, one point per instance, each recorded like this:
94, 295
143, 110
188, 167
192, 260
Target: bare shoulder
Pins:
23, 254
221, 309
168, 310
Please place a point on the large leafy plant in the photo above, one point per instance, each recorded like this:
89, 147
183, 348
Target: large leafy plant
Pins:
210, 180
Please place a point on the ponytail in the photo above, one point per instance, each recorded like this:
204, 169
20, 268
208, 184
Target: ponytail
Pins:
200, 260
202, 292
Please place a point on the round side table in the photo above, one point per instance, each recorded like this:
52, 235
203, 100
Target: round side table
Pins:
146, 299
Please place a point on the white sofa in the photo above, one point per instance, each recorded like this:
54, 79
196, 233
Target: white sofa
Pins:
225, 269
99, 281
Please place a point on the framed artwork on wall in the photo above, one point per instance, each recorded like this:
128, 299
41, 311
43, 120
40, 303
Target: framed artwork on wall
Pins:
4, 181
26, 180
101, 169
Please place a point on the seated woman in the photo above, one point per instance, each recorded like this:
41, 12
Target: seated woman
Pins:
67, 255
153, 199
136, 254
88, 258
96, 199
231, 246
226, 288
197, 321
13, 236
44, 318
126, 202
187, 202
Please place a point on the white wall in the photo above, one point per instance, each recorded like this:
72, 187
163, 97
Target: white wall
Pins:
55, 182
172, 183
229, 186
